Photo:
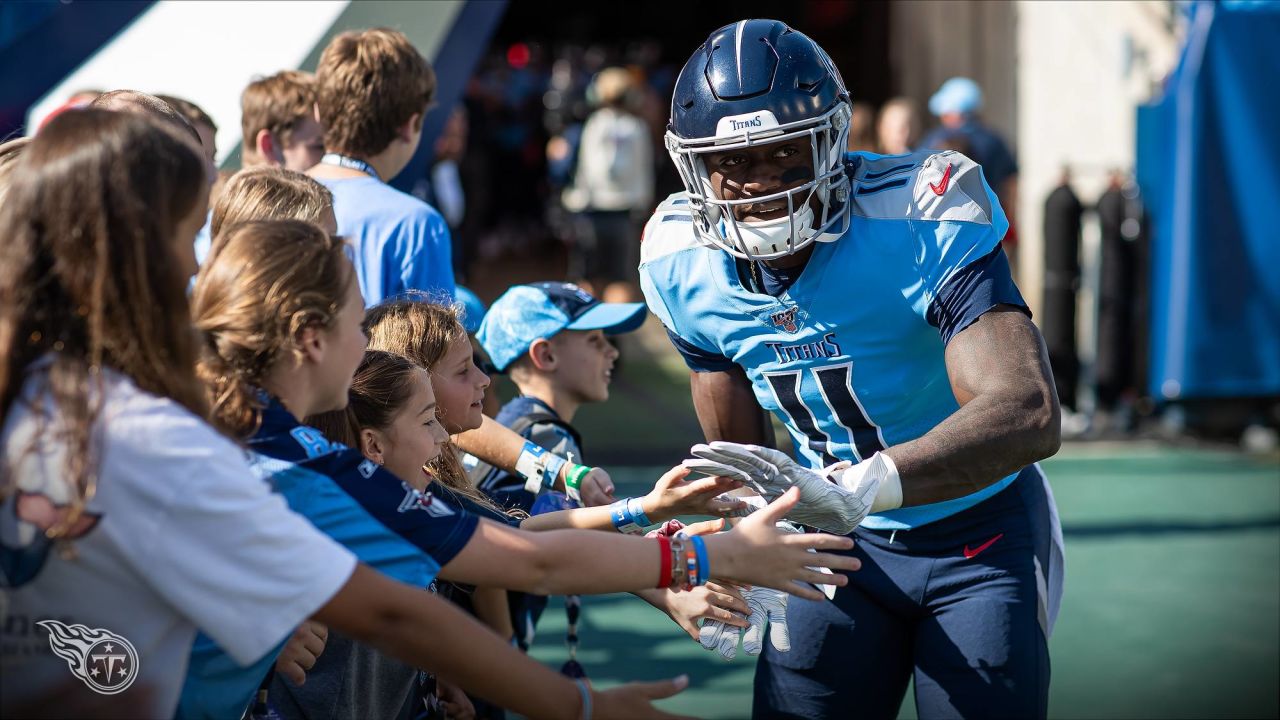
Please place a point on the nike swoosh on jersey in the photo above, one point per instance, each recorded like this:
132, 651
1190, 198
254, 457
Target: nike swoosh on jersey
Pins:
971, 554
941, 187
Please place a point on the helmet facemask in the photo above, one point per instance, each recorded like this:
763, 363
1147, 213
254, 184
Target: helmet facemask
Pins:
817, 211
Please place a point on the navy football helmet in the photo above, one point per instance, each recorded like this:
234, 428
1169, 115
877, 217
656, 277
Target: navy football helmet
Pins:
753, 83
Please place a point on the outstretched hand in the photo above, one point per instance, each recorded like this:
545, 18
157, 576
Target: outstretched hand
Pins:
635, 700
761, 554
675, 494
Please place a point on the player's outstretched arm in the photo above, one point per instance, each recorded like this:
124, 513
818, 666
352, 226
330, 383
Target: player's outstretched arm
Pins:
584, 562
1008, 417
431, 634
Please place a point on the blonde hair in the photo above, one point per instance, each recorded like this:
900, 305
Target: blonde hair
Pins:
368, 84
269, 281
269, 193
277, 104
423, 331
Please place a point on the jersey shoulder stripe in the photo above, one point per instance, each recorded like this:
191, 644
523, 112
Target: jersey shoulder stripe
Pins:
669, 230
926, 185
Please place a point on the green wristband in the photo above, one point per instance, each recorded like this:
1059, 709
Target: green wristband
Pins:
573, 480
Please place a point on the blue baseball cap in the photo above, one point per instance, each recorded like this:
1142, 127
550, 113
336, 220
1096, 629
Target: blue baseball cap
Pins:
538, 311
957, 95
471, 311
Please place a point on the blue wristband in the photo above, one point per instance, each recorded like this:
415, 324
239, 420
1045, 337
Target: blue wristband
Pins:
585, 692
551, 470
635, 507
538, 467
704, 565
623, 520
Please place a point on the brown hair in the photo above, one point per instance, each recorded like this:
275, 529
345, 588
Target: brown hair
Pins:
268, 281
140, 103
192, 112
89, 273
269, 193
10, 151
381, 387
276, 104
423, 331
369, 83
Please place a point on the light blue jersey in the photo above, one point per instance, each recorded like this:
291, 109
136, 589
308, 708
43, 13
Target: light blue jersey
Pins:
400, 242
850, 356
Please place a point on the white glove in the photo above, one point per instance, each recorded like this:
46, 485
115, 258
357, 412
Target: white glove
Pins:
768, 608
837, 507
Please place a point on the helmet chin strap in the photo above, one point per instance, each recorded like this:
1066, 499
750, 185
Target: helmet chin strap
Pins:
760, 238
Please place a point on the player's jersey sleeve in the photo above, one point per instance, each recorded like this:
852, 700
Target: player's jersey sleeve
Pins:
667, 236
973, 290
696, 358
956, 227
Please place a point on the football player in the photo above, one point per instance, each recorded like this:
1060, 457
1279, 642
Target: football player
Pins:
863, 300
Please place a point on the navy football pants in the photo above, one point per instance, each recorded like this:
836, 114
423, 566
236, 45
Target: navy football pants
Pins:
956, 604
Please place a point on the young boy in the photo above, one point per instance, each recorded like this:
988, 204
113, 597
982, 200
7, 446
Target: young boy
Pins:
550, 338
278, 122
373, 88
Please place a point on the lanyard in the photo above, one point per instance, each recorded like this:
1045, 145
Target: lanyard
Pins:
351, 163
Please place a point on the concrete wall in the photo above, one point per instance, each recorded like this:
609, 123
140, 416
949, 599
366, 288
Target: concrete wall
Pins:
933, 41
1082, 70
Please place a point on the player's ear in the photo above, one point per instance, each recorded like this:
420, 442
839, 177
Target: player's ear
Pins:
542, 355
371, 445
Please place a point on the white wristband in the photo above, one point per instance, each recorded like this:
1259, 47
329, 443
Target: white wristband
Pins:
881, 470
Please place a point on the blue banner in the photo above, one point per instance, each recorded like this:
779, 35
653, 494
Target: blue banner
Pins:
1208, 163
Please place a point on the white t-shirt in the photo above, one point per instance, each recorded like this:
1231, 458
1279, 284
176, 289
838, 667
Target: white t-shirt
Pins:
179, 536
615, 164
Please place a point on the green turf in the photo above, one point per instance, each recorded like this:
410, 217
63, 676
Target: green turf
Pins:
1172, 605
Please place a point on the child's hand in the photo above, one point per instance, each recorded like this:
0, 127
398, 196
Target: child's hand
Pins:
712, 601
457, 706
756, 552
596, 488
301, 652
673, 495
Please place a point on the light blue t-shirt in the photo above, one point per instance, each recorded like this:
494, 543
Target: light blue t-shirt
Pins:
399, 242
849, 357
204, 239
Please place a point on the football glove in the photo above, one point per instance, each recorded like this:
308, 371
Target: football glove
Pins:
836, 507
